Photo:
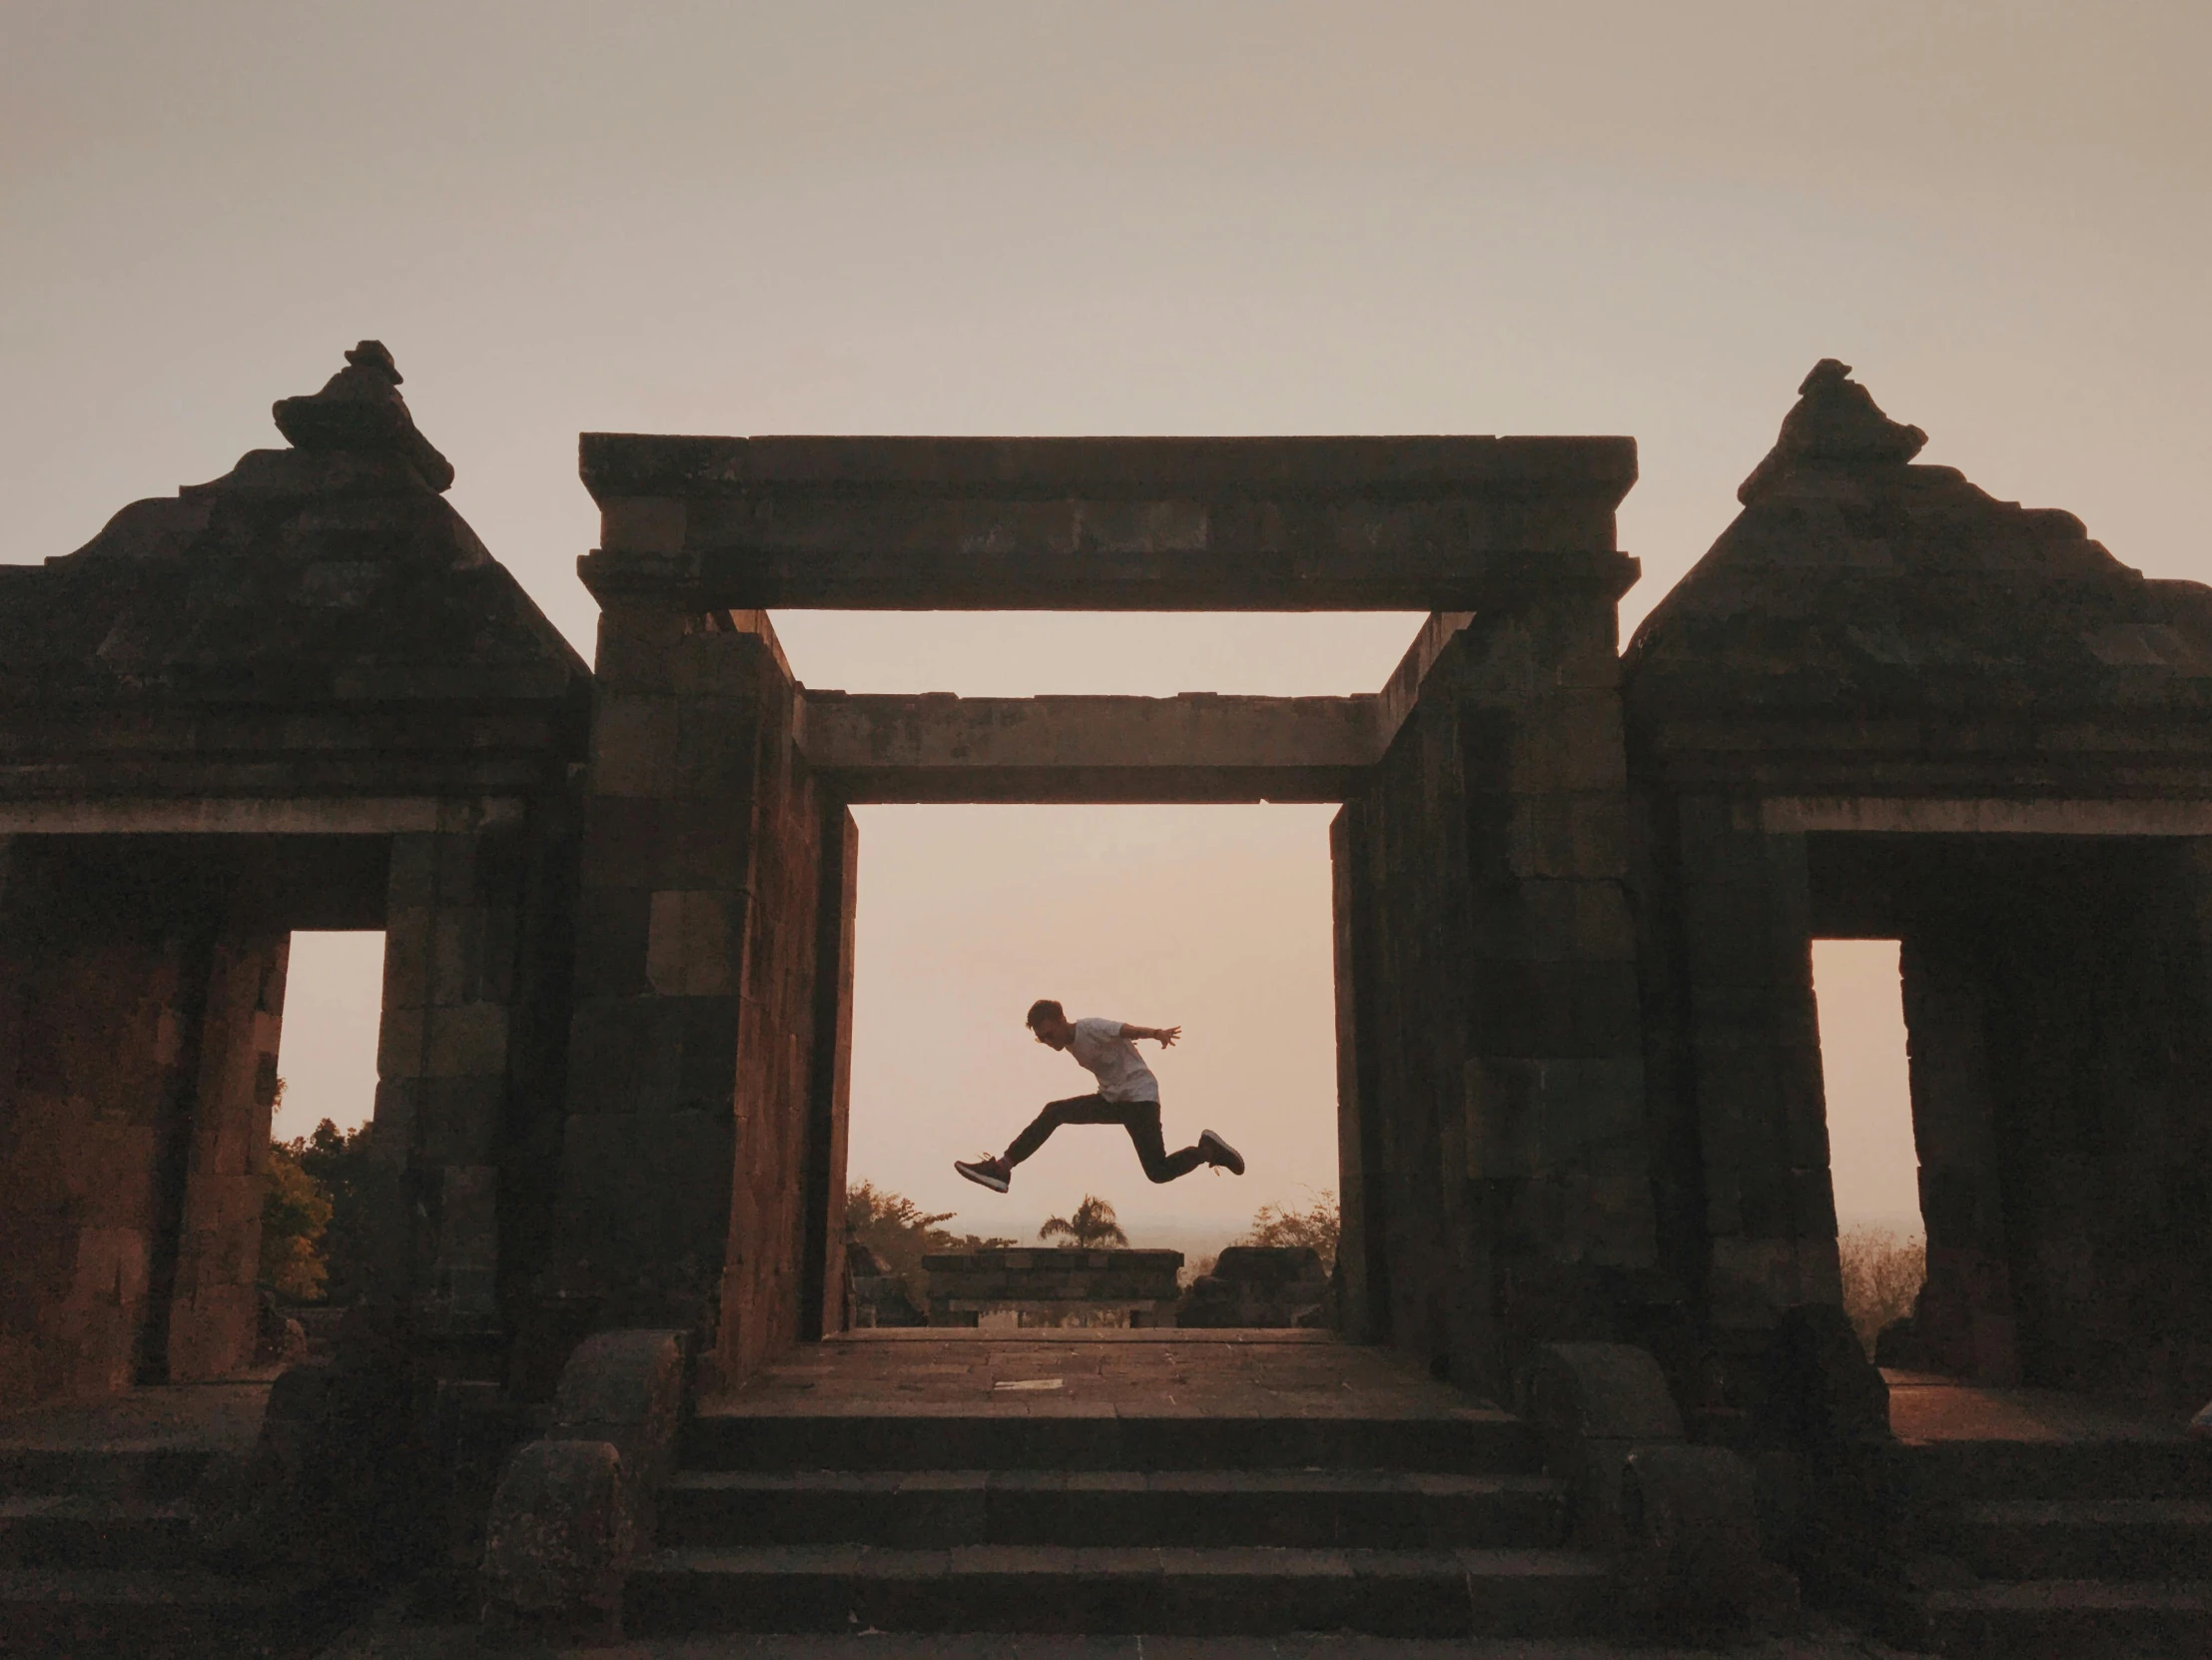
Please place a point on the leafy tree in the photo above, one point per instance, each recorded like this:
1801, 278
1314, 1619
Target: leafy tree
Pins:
364, 1201
900, 1234
1318, 1226
295, 1212
1091, 1228
894, 1229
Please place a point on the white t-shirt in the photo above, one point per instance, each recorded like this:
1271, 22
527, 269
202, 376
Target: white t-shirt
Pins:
1111, 1059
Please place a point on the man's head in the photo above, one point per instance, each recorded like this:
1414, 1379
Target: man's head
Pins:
1051, 1024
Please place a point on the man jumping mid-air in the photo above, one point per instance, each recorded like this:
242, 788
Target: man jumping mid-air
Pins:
1128, 1095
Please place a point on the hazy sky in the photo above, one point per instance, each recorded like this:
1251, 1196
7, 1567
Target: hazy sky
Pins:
1045, 218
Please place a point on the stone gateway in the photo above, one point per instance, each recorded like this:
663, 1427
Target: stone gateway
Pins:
1575, 892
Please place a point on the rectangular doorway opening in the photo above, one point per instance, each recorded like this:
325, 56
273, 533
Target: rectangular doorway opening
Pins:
317, 1224
1873, 1161
1214, 919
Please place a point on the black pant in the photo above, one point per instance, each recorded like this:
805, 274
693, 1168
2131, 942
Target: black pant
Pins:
1139, 1118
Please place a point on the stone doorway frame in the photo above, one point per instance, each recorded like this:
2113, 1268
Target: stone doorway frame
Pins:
1485, 787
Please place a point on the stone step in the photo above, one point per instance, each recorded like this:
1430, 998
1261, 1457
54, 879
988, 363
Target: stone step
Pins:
138, 1472
936, 1509
67, 1530
2120, 1539
1959, 1472
1471, 1441
2054, 1618
1170, 1591
145, 1612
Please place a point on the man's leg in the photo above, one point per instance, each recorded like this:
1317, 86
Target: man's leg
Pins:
1141, 1119
1081, 1109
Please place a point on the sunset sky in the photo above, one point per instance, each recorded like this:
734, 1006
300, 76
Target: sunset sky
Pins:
1195, 217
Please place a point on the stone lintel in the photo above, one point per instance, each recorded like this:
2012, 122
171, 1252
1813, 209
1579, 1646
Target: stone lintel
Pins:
1417, 523
301, 815
1196, 747
2053, 816
640, 464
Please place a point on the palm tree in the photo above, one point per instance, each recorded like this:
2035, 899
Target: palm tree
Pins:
1090, 1228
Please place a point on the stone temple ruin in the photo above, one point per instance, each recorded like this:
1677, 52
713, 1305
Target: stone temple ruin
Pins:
1584, 1150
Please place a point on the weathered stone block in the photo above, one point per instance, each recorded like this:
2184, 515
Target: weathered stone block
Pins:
627, 840
459, 1118
724, 664
633, 747
406, 978
690, 948
457, 950
1696, 1557
559, 1537
612, 927
717, 747
469, 1041
403, 1042
1530, 1114
636, 648
640, 1191
413, 871
1570, 743
642, 525
626, 1387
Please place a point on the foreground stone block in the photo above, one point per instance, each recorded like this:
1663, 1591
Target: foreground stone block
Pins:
1695, 1561
559, 1542
573, 1509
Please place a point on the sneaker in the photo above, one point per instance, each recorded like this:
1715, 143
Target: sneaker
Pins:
1218, 1153
993, 1172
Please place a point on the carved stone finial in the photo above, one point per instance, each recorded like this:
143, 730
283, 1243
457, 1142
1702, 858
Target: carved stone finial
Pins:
1835, 426
360, 408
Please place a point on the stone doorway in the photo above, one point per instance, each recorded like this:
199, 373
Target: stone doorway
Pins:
144, 985
1484, 955
2049, 988
1173, 915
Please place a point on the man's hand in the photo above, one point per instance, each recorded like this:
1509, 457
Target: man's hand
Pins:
1165, 1036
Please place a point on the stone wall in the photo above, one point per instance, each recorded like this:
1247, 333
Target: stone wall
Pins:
140, 1003
966, 1285
697, 1092
1493, 1085
2054, 998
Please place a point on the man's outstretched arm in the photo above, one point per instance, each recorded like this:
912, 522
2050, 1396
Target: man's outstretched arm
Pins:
1165, 1036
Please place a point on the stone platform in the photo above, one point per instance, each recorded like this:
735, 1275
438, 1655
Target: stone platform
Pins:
2046, 1522
99, 1550
967, 1286
1225, 1483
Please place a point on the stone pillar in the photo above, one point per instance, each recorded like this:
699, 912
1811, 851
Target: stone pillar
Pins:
443, 1064
831, 1075
1363, 1266
1964, 1314
1754, 1059
214, 1314
687, 1156
1556, 1144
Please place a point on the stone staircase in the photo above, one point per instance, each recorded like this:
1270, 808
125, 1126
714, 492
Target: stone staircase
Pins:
98, 1555
2053, 1548
99, 1552
1131, 1517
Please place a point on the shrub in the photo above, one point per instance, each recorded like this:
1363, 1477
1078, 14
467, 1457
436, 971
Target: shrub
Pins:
1318, 1226
1883, 1273
900, 1234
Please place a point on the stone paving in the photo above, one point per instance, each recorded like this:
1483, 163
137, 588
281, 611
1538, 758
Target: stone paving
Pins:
397, 1641
1926, 1408
1148, 1374
223, 1416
